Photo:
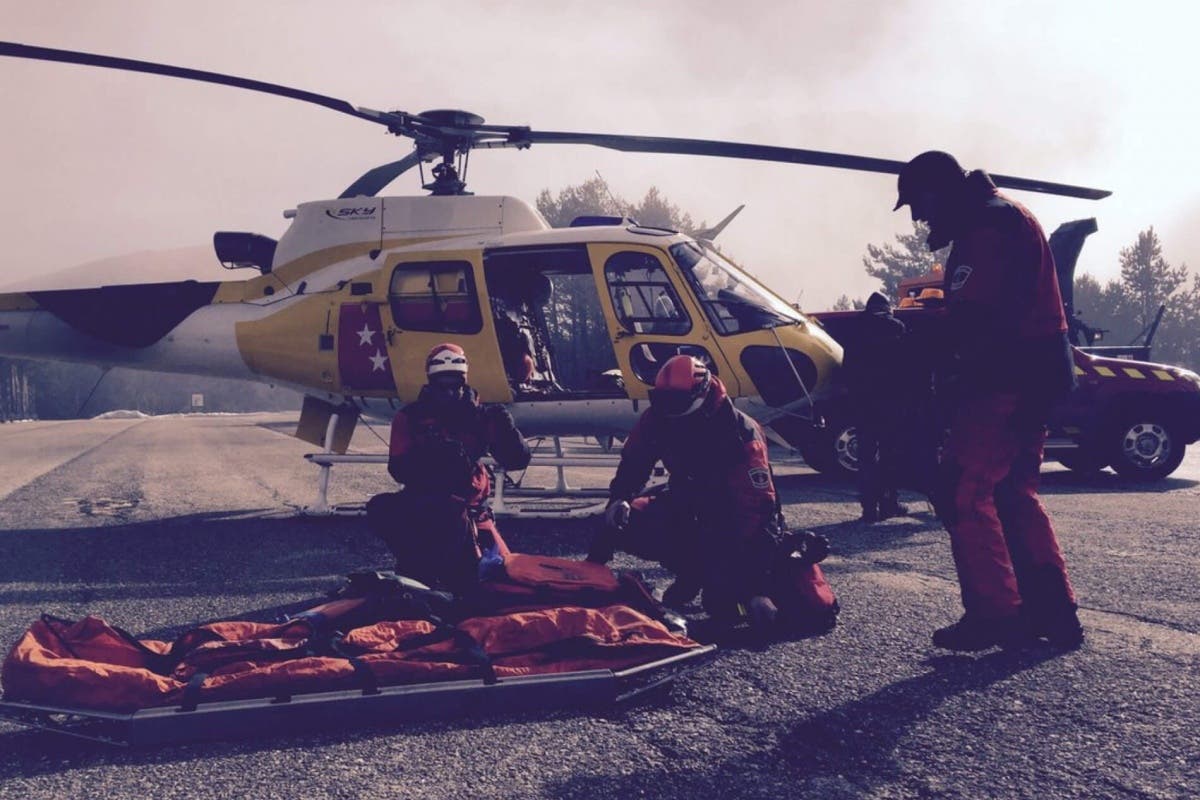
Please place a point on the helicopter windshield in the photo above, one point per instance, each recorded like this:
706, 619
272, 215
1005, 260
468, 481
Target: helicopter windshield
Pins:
733, 301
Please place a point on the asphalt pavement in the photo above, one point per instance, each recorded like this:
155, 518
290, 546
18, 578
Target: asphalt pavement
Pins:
158, 524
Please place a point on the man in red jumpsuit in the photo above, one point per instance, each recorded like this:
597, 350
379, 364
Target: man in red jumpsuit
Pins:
711, 525
440, 525
1007, 363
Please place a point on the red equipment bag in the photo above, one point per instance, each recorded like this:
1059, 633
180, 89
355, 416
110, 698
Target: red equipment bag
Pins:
805, 597
559, 574
532, 581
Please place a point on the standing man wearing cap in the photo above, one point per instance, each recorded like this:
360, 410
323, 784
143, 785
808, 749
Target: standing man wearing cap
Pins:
1007, 361
712, 524
440, 525
877, 378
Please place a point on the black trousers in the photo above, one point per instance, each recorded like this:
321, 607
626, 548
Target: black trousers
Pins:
432, 538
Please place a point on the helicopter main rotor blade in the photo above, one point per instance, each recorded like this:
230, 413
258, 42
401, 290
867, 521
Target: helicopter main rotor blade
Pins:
130, 65
790, 155
374, 180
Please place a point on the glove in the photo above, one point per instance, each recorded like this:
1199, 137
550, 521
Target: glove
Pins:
762, 611
808, 547
498, 416
617, 514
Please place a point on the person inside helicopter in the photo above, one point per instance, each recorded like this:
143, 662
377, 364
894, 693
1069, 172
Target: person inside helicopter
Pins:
518, 303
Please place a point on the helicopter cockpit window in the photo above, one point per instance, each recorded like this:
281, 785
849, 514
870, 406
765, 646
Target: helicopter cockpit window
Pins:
733, 301
642, 295
435, 296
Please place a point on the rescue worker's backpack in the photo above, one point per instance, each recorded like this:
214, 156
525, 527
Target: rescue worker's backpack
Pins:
797, 584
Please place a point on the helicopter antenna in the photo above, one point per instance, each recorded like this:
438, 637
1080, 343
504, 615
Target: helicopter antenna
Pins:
617, 204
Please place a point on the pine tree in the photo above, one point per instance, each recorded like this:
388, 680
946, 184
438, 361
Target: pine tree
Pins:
908, 258
1148, 279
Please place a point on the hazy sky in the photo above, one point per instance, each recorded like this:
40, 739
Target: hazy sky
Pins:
98, 163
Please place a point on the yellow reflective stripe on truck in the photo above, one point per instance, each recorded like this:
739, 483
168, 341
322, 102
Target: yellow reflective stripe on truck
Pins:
1132, 372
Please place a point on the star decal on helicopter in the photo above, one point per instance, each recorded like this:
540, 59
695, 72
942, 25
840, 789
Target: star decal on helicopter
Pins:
363, 364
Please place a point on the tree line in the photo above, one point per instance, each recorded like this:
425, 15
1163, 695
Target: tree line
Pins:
1123, 308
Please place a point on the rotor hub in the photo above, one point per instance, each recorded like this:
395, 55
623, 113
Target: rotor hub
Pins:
452, 117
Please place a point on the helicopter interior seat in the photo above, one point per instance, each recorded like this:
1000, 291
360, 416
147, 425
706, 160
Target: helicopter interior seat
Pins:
417, 313
517, 306
516, 348
535, 334
458, 308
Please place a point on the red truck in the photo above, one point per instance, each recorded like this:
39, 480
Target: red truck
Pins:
1128, 413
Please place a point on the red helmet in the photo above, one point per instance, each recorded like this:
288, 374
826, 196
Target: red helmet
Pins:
446, 357
681, 386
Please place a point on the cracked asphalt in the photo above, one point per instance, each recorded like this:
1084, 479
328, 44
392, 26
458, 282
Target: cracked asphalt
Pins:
157, 524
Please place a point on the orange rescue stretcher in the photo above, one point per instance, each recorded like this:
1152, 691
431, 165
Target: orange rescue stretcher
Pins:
377, 657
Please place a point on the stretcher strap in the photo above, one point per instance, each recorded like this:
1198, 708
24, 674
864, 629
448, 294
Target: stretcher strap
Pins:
366, 678
469, 650
191, 692
362, 672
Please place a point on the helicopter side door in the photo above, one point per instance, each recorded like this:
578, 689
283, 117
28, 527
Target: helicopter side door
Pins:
650, 319
551, 329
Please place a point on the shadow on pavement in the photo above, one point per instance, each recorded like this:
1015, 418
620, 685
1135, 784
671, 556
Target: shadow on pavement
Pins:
840, 752
190, 555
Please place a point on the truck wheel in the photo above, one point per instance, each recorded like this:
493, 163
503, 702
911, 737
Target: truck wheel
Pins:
845, 450
1146, 450
1081, 460
815, 453
832, 450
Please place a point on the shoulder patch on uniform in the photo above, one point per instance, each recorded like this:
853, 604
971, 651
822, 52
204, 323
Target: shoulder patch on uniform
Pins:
759, 478
959, 279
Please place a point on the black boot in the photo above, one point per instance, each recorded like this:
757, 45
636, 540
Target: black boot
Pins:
890, 505
973, 633
681, 592
1047, 602
1060, 628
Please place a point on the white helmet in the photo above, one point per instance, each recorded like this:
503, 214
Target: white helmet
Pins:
446, 357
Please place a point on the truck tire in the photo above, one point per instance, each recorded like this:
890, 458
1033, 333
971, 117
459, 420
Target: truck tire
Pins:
1081, 460
844, 450
832, 450
1146, 449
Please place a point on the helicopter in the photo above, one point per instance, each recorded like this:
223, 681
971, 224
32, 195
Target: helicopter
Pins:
566, 326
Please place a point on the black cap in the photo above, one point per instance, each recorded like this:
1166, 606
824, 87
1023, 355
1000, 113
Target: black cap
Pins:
933, 169
877, 303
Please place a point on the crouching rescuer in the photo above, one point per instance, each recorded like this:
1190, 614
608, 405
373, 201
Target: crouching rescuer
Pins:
439, 527
717, 523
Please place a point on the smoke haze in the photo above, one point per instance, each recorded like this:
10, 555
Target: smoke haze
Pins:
100, 163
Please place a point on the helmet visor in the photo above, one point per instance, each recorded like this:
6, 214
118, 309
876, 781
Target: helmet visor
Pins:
675, 402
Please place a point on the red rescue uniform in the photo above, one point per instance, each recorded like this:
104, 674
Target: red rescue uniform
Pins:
1008, 363
710, 525
439, 525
